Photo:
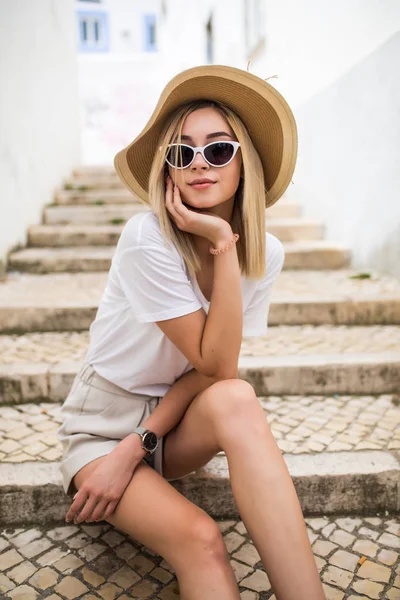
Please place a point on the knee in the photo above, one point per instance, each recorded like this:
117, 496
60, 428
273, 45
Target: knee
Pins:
233, 404
232, 399
205, 544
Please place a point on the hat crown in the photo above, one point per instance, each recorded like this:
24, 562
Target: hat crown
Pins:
263, 110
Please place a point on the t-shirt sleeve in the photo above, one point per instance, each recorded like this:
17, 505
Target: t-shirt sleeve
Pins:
155, 284
255, 317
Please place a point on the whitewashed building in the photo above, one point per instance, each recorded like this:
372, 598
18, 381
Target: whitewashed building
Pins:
39, 111
119, 65
337, 65
117, 26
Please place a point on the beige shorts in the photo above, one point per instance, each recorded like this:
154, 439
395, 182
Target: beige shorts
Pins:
97, 415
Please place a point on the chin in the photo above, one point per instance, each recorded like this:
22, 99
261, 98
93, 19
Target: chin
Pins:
202, 202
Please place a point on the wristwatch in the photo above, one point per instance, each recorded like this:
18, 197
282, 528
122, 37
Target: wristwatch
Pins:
149, 439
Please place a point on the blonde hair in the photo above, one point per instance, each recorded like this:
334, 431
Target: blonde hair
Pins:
248, 215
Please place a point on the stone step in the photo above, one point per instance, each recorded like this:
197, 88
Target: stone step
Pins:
357, 373
91, 215
100, 197
329, 443
300, 424
94, 171
77, 316
109, 214
299, 255
100, 561
105, 235
84, 183
328, 483
64, 346
69, 301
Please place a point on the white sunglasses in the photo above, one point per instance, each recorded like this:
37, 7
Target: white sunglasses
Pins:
216, 154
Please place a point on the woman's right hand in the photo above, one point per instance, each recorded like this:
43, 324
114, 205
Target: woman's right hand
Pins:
204, 224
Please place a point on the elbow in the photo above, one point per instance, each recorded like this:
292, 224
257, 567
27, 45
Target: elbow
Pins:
218, 371
221, 372
227, 375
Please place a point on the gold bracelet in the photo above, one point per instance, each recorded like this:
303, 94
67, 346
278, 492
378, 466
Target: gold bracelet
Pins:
228, 245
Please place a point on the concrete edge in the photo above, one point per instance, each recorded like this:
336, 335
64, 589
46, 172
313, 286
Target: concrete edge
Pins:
285, 311
276, 375
362, 482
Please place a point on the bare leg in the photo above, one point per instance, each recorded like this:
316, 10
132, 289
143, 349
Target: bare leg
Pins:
228, 416
267, 501
154, 513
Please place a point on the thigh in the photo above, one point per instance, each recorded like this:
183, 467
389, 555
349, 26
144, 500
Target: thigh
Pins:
193, 442
211, 417
155, 514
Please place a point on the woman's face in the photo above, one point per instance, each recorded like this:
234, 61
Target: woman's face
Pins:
201, 127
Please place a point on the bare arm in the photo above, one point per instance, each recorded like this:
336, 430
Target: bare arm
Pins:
210, 342
168, 413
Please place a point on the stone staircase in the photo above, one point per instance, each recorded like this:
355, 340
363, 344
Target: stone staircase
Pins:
327, 375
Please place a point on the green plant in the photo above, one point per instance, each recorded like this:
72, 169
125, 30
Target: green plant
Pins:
361, 276
117, 221
99, 202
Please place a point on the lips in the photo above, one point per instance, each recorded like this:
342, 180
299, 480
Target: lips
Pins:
200, 181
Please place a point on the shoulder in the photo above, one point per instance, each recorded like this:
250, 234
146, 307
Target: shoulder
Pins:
143, 230
275, 252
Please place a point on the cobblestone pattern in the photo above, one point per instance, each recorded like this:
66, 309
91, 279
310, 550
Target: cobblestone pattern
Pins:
301, 425
356, 557
54, 347
61, 289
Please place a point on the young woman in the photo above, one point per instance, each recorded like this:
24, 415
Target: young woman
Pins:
160, 380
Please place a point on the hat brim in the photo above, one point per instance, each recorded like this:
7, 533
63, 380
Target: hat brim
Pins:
263, 110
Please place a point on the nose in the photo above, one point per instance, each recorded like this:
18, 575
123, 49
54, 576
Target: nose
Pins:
199, 163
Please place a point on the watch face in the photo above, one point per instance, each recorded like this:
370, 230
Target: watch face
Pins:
150, 441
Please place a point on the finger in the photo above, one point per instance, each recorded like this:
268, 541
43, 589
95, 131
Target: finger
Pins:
171, 206
87, 510
98, 511
169, 193
79, 501
110, 509
179, 207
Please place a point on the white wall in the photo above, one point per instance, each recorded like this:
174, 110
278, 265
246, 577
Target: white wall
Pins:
311, 43
182, 35
127, 28
348, 171
39, 118
337, 65
117, 95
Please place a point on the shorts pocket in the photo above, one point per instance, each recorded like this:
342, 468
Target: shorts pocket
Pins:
76, 398
98, 401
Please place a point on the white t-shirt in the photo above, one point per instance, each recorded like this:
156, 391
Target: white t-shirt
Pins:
147, 282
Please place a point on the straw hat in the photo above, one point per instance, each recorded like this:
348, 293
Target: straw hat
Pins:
265, 113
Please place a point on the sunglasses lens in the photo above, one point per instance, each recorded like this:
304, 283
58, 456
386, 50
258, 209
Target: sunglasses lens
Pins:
219, 154
180, 156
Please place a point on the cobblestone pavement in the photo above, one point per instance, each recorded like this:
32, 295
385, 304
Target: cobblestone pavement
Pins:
356, 558
54, 347
63, 289
301, 425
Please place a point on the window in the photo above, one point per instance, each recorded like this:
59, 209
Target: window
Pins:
150, 33
209, 42
93, 31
